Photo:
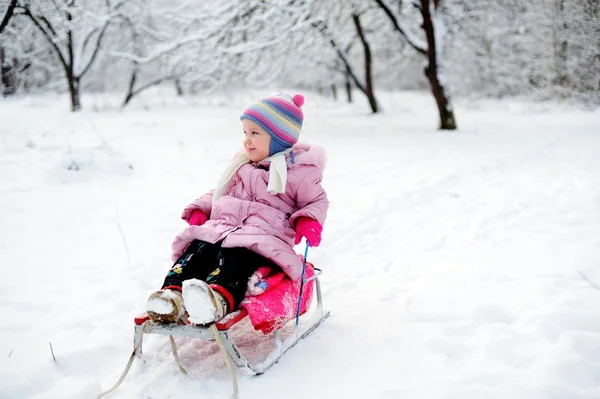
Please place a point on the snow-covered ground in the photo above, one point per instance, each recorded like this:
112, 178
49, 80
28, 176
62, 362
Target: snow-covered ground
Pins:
457, 264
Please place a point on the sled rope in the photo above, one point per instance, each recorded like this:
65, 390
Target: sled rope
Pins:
175, 355
217, 335
213, 328
143, 328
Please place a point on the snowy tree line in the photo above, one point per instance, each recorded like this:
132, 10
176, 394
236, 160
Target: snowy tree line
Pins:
497, 48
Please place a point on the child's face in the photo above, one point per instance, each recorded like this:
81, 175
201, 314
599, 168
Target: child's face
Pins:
256, 141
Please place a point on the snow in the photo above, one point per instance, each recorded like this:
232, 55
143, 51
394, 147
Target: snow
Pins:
439, 31
458, 264
160, 305
198, 302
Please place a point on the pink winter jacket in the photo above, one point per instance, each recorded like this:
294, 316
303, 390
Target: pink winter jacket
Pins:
248, 216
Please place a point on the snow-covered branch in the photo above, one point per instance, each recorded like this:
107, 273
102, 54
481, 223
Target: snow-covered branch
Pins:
97, 46
399, 25
163, 49
49, 33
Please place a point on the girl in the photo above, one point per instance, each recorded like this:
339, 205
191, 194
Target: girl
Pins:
264, 203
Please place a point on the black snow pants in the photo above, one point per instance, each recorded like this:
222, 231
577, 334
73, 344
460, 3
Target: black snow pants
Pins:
225, 270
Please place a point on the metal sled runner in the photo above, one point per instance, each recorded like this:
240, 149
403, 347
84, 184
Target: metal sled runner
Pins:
220, 333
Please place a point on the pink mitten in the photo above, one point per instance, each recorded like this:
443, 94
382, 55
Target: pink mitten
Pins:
309, 228
198, 218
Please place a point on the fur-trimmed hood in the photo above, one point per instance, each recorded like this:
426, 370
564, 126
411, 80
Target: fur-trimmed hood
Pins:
308, 154
304, 154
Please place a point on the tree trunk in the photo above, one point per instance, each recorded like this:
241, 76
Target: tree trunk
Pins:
334, 92
3, 72
74, 92
130, 92
71, 77
7, 15
369, 90
8, 77
348, 88
447, 121
560, 47
178, 87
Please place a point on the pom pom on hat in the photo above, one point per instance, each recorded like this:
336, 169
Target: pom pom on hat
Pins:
298, 100
281, 116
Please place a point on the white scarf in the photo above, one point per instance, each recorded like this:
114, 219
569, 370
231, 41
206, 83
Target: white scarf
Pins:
277, 173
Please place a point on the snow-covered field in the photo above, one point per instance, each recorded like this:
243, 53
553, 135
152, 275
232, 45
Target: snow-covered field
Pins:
457, 264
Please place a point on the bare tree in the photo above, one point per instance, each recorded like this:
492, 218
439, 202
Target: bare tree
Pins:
27, 61
431, 48
494, 47
368, 87
76, 40
207, 45
167, 43
352, 76
331, 25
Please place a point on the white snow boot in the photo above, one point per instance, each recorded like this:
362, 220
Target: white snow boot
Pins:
166, 306
203, 304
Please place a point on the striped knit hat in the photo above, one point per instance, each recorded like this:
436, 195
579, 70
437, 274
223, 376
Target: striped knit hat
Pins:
281, 116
